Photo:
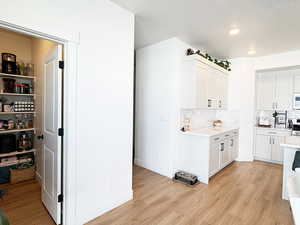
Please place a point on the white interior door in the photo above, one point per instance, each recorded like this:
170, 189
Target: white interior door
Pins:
51, 185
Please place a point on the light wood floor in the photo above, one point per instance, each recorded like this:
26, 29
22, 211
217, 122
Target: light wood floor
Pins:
23, 206
241, 194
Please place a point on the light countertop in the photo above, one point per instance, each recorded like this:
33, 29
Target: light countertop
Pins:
291, 142
273, 128
210, 131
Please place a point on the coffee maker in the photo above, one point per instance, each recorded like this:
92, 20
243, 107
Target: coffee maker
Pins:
280, 119
9, 63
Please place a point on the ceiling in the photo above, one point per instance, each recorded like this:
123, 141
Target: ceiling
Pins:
267, 26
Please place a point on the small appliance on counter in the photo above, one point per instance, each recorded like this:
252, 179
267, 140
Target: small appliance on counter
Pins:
296, 127
280, 119
264, 120
296, 101
9, 63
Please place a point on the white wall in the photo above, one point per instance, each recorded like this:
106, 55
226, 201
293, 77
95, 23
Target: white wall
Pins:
104, 95
242, 92
157, 106
40, 49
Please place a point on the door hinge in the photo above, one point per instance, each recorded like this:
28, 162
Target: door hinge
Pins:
60, 131
61, 65
60, 198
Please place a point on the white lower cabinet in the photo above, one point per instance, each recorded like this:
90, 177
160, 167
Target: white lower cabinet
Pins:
267, 145
214, 157
223, 150
225, 154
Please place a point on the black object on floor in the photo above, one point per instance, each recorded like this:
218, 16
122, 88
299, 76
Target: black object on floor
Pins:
296, 163
186, 178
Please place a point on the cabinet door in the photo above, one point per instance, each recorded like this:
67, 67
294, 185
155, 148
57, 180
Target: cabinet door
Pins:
284, 90
233, 146
221, 90
214, 157
263, 147
266, 87
297, 81
277, 152
202, 93
224, 153
212, 89
189, 81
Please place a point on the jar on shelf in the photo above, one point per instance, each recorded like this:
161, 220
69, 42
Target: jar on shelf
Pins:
22, 68
29, 69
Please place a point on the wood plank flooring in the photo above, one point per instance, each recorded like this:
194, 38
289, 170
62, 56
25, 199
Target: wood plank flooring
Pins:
244, 193
23, 206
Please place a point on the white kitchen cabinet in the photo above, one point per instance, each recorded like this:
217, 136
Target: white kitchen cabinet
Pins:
202, 85
263, 147
265, 96
214, 157
284, 91
297, 81
222, 89
267, 144
277, 153
233, 146
274, 90
225, 153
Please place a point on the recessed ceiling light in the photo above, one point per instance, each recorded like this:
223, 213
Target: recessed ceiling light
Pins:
251, 52
234, 31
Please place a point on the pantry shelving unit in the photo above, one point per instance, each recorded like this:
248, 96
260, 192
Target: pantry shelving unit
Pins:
17, 97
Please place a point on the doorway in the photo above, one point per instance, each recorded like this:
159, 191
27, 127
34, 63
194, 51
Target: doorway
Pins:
31, 129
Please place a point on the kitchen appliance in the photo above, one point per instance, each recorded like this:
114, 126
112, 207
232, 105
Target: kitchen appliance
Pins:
7, 143
263, 120
296, 127
9, 63
280, 119
296, 101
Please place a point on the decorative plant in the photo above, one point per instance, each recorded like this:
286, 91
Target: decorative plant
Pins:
222, 63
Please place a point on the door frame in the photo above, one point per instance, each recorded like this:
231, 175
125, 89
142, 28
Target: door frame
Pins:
69, 145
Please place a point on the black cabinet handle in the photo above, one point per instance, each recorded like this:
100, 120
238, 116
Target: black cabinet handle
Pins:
40, 137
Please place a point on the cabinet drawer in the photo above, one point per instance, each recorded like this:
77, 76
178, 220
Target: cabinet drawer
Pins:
273, 132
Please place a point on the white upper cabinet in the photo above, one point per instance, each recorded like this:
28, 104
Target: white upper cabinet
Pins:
297, 81
203, 86
274, 90
266, 87
284, 91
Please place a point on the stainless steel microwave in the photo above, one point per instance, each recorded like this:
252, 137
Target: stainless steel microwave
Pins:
296, 101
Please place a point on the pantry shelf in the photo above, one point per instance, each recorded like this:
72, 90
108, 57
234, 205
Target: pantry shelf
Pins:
16, 76
14, 113
15, 162
17, 94
15, 130
16, 153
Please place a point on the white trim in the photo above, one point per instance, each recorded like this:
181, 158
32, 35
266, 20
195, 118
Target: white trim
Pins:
70, 116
